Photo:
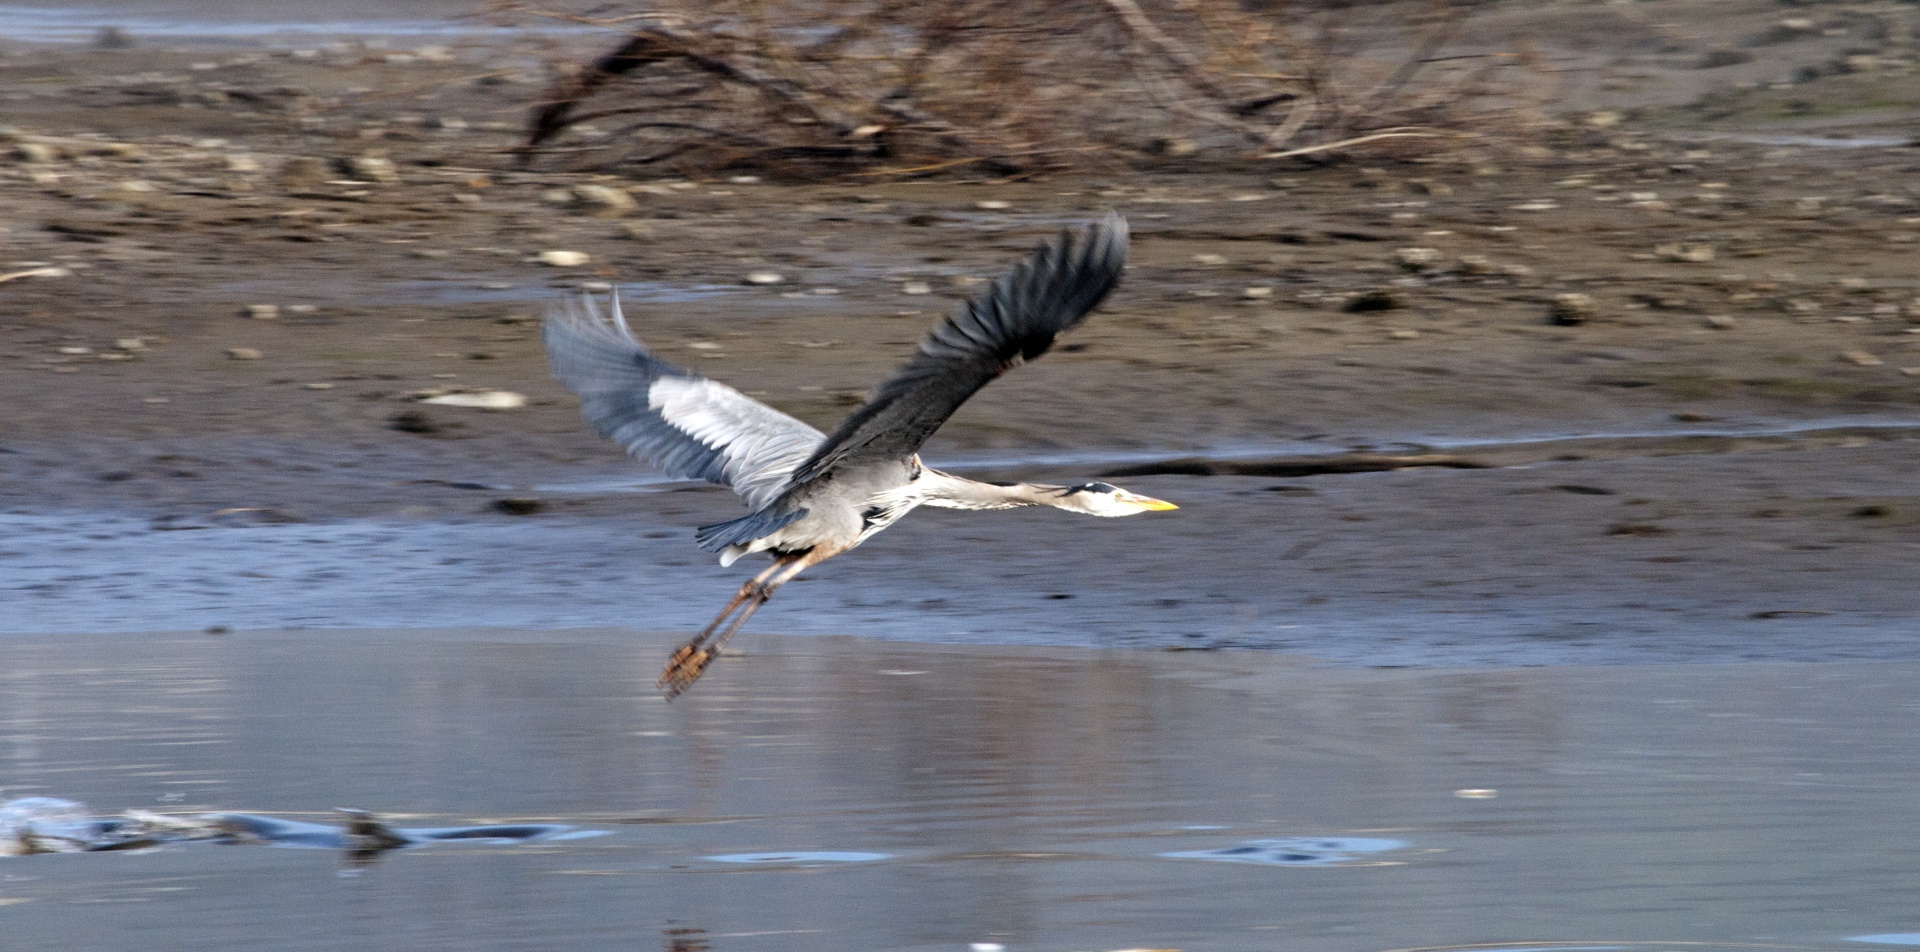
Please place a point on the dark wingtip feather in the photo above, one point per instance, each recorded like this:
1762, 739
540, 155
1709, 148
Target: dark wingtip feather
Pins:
1014, 321
1053, 290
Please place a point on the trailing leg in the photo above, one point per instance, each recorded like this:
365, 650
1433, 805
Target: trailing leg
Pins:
691, 661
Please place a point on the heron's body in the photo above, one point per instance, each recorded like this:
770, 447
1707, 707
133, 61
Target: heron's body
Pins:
815, 495
839, 510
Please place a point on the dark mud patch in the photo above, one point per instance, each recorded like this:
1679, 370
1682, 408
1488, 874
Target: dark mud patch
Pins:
1530, 452
1305, 466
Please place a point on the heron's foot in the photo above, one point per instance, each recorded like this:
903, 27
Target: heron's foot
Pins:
685, 667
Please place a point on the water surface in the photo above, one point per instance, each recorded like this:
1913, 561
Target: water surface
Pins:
46, 21
928, 797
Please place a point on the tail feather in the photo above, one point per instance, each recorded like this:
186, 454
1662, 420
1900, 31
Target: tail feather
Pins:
744, 530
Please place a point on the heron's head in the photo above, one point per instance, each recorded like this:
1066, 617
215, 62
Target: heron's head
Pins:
1102, 499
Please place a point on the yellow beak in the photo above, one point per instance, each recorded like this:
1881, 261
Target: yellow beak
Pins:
1156, 505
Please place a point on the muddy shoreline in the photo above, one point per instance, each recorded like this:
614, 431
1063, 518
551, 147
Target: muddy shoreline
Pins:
259, 265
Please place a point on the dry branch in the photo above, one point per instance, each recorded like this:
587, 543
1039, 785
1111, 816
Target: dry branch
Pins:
871, 87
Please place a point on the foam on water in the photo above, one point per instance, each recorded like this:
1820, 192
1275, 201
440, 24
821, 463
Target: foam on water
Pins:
31, 825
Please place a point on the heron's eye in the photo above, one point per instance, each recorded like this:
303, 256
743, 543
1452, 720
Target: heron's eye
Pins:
1098, 489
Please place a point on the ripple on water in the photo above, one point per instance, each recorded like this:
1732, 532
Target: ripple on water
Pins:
1890, 938
799, 859
1295, 851
1530, 948
1647, 944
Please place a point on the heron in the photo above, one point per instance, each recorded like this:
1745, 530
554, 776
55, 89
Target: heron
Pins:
815, 495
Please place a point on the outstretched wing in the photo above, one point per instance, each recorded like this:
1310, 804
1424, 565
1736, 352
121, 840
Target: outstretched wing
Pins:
681, 422
1013, 322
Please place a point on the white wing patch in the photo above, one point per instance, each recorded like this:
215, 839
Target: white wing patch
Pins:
683, 423
758, 445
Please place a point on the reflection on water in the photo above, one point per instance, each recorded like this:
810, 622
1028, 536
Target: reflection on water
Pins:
1295, 851
1891, 938
1576, 947
1020, 797
1505, 947
41, 825
52, 825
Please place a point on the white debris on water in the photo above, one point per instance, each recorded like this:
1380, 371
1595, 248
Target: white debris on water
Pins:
479, 400
44, 825
563, 259
1418, 259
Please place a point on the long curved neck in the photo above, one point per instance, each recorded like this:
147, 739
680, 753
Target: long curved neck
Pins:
953, 492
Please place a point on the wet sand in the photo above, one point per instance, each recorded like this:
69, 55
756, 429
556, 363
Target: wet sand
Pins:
1019, 796
316, 490
1681, 558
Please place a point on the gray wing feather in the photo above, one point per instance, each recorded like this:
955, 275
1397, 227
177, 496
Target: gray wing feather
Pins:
683, 423
1013, 322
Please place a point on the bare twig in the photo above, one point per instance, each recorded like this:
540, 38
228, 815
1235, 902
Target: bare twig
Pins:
1370, 137
35, 273
922, 169
1297, 119
1430, 45
872, 88
1143, 27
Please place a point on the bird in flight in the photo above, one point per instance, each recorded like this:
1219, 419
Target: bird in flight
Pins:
816, 495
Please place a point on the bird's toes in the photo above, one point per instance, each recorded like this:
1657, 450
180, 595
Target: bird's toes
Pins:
685, 667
